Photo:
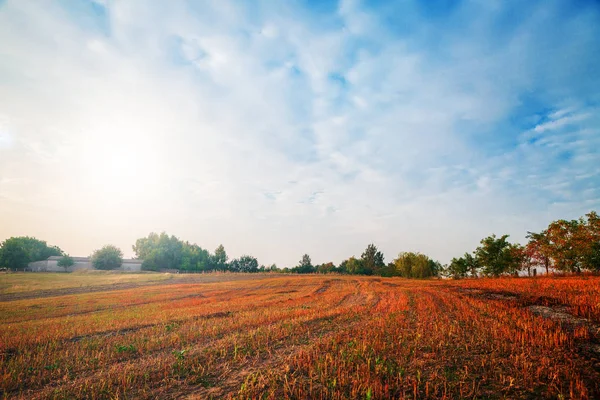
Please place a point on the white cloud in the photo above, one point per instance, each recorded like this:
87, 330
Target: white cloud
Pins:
559, 121
271, 133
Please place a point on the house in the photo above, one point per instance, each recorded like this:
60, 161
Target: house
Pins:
81, 263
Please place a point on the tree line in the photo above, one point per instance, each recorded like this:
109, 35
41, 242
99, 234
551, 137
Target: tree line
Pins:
565, 246
371, 262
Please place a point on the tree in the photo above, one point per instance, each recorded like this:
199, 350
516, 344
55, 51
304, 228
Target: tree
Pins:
194, 258
143, 247
65, 262
538, 250
588, 241
593, 258
354, 265
372, 260
472, 264
17, 252
569, 246
13, 255
563, 245
305, 266
325, 268
435, 267
220, 258
415, 265
108, 257
458, 268
518, 259
389, 270
159, 251
497, 256
244, 264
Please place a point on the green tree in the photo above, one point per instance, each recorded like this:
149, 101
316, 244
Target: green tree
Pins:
13, 255
245, 263
220, 258
458, 268
325, 268
160, 252
472, 264
354, 265
518, 259
65, 262
435, 267
588, 242
194, 258
343, 267
389, 270
415, 265
497, 256
108, 257
593, 258
17, 252
144, 246
305, 266
564, 249
372, 260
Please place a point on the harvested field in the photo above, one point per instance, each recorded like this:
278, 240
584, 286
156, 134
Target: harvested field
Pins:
279, 336
35, 285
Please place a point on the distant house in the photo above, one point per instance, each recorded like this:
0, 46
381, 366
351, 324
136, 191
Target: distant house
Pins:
81, 263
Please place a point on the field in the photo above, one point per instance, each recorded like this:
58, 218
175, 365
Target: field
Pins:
279, 336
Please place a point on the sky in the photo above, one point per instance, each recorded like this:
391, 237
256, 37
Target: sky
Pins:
301, 126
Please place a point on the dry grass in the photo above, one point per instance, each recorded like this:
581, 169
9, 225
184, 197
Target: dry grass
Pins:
17, 286
338, 337
30, 282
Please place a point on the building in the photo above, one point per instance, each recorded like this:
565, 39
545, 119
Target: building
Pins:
81, 263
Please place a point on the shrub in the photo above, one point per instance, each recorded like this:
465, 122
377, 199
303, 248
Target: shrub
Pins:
108, 257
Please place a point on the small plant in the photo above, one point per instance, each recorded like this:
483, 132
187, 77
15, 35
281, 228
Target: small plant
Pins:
126, 348
51, 367
171, 327
179, 354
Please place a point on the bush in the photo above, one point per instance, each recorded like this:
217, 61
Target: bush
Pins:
107, 258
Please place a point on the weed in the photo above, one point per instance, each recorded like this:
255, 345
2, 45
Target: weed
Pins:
179, 354
121, 348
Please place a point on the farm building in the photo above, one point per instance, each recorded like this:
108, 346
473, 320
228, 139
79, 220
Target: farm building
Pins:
81, 263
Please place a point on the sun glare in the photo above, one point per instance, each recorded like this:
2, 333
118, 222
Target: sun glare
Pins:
119, 167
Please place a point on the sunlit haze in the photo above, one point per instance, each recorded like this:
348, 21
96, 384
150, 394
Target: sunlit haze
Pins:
279, 128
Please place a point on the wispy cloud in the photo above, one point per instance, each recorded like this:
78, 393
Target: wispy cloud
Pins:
286, 128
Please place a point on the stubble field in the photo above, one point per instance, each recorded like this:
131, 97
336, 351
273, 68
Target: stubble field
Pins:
280, 336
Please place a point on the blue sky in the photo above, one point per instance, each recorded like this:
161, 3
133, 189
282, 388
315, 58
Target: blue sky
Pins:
283, 128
